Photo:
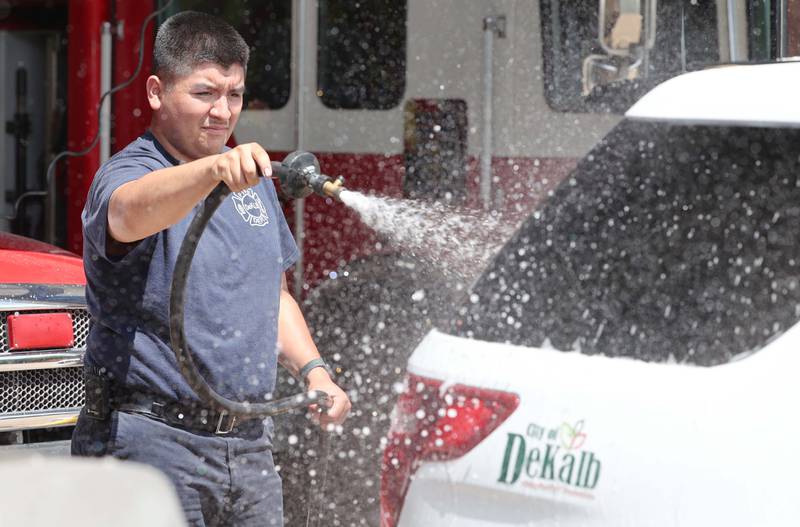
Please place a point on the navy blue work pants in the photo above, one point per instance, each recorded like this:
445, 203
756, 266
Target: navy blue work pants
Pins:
220, 479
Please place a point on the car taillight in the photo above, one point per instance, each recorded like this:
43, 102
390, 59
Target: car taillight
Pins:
435, 423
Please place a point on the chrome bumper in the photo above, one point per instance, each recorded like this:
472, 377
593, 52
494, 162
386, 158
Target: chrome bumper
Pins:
41, 360
41, 419
20, 297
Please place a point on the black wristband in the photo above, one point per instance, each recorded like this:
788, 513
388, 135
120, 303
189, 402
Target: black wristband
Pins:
310, 365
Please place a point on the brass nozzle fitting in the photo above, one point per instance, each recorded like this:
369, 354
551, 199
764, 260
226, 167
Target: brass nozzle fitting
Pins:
332, 188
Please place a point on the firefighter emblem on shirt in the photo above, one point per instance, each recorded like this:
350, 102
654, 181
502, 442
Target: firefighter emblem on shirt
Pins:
250, 207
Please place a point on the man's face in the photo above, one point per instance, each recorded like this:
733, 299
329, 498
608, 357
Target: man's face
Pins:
197, 112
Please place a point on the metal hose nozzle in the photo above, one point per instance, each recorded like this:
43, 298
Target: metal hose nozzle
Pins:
300, 175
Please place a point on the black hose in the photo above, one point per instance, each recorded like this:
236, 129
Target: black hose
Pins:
180, 347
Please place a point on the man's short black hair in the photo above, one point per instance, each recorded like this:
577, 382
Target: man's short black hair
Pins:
189, 38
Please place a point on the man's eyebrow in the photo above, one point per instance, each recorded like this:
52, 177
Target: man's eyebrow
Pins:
213, 87
203, 86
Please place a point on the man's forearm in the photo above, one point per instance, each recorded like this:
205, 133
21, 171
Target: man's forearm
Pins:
297, 349
295, 344
141, 208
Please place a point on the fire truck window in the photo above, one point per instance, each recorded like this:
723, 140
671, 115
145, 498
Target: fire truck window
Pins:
686, 39
436, 150
361, 54
266, 26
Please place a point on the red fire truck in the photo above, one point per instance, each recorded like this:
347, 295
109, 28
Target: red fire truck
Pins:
482, 103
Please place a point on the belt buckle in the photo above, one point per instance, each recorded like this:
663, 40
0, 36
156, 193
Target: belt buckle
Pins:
224, 426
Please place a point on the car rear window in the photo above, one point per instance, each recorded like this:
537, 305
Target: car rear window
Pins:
666, 243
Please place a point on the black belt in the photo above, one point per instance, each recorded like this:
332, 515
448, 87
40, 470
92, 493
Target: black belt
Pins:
182, 416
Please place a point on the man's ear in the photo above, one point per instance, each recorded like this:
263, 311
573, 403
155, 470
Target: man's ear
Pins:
155, 90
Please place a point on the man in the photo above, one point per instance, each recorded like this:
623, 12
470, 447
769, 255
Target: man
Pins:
239, 313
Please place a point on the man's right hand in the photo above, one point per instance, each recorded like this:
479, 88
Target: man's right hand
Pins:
161, 198
239, 167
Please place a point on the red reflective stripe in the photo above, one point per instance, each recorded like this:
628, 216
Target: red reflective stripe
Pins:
40, 331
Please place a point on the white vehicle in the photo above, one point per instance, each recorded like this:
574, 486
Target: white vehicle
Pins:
630, 356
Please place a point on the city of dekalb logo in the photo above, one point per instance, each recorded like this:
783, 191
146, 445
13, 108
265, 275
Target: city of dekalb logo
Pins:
551, 459
250, 207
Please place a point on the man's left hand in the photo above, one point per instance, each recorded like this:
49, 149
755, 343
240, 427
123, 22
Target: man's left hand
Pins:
318, 379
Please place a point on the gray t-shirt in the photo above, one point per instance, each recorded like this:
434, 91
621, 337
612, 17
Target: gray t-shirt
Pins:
232, 297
